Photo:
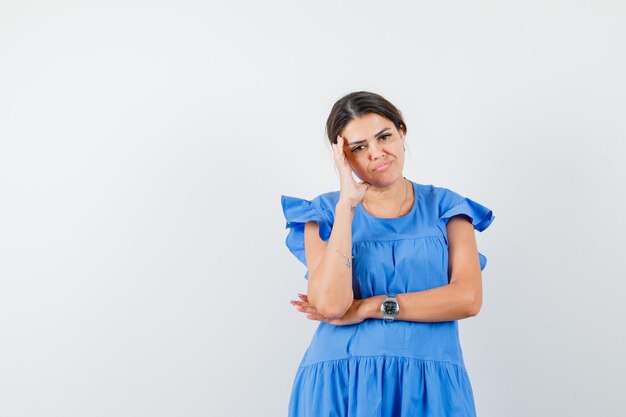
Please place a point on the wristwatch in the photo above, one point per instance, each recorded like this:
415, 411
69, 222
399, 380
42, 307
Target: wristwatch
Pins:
390, 308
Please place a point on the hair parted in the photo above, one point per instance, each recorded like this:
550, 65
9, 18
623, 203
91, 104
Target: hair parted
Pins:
357, 104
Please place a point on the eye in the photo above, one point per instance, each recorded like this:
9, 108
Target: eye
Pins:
356, 148
360, 147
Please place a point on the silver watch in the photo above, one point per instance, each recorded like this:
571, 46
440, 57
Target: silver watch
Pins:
390, 308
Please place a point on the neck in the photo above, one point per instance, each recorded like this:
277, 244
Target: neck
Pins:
393, 192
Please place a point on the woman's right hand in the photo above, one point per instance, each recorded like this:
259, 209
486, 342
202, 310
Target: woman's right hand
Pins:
350, 191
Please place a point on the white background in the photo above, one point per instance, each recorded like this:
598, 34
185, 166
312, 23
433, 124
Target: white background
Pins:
144, 147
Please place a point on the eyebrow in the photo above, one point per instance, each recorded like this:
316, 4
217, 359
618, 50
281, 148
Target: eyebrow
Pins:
363, 140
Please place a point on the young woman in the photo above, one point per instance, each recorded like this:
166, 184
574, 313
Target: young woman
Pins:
391, 266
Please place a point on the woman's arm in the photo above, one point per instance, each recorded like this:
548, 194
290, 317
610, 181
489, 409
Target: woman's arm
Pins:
460, 299
330, 274
445, 303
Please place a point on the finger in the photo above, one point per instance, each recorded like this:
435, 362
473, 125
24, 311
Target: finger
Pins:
309, 308
340, 146
304, 307
316, 316
299, 308
340, 143
340, 159
338, 153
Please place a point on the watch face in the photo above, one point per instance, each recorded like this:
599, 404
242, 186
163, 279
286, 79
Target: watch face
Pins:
390, 308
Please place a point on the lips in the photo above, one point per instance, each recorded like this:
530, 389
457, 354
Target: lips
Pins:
382, 167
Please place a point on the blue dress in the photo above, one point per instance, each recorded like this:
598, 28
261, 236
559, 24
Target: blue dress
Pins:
376, 368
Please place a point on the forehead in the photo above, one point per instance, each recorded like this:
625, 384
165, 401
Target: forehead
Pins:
366, 126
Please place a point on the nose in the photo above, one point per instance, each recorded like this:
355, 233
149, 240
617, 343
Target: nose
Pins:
376, 151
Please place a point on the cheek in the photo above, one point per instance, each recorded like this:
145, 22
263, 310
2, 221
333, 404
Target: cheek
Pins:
358, 164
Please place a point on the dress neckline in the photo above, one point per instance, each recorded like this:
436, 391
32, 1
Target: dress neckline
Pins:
391, 219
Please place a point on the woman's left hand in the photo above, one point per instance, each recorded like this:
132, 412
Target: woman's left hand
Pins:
354, 314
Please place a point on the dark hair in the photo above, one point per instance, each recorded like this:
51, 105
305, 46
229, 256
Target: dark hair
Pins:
357, 104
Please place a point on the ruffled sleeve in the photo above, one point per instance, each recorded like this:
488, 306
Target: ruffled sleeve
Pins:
298, 212
452, 204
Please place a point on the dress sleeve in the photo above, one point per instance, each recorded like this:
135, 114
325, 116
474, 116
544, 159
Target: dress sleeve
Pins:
298, 212
452, 204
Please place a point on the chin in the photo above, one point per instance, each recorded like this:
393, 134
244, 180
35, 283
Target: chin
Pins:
383, 181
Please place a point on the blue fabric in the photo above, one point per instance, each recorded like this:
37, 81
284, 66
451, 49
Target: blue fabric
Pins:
298, 211
375, 368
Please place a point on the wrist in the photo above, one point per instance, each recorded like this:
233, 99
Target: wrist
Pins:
371, 307
348, 206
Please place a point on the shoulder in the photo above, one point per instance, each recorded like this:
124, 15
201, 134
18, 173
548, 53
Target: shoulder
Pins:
446, 196
451, 203
438, 195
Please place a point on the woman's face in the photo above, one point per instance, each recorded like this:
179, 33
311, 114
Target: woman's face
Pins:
374, 149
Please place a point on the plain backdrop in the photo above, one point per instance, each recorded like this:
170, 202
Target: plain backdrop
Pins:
144, 146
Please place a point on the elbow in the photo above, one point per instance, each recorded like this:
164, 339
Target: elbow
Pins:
473, 306
330, 305
473, 310
470, 300
332, 311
